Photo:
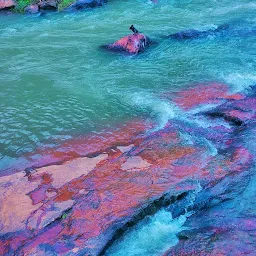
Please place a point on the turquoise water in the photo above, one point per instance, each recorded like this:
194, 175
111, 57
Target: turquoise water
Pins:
57, 84
154, 235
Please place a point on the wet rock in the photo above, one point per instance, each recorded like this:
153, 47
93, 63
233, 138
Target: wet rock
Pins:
48, 4
88, 145
222, 226
82, 4
7, 4
31, 9
132, 44
193, 34
224, 30
202, 94
81, 197
239, 112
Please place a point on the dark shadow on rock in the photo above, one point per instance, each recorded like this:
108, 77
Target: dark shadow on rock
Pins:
84, 4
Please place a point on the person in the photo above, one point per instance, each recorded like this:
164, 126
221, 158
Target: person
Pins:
134, 30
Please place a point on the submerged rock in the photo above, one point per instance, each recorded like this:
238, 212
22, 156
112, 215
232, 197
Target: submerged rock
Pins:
7, 4
202, 94
132, 44
192, 33
232, 30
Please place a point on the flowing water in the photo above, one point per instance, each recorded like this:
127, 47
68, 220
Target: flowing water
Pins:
56, 83
152, 236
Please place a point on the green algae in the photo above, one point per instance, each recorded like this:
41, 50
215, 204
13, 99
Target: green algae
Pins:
21, 4
64, 4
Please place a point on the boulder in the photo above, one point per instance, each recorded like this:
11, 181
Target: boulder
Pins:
31, 9
7, 4
193, 34
48, 4
132, 44
82, 4
224, 30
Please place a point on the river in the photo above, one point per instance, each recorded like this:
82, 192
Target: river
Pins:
58, 84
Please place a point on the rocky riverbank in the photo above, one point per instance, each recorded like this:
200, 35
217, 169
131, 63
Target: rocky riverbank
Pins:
80, 198
37, 6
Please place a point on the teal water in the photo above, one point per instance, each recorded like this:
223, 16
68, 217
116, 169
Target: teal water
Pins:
57, 84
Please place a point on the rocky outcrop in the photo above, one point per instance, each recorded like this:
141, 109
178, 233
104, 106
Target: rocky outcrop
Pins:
32, 9
132, 44
76, 200
7, 4
82, 4
52, 5
48, 4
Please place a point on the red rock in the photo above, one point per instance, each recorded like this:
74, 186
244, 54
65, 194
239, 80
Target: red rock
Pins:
132, 44
118, 188
7, 4
82, 146
204, 94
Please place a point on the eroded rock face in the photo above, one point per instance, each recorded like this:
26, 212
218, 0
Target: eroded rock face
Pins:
48, 4
7, 4
132, 44
77, 198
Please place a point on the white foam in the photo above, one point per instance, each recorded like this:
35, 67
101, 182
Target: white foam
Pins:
240, 82
250, 6
153, 236
160, 109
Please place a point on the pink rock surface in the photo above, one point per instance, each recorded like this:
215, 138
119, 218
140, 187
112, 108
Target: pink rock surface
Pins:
133, 43
7, 3
82, 146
